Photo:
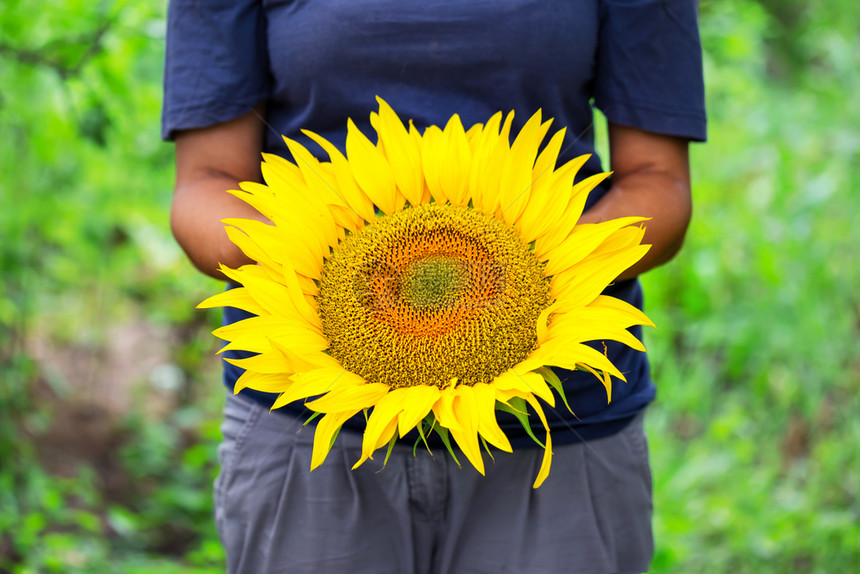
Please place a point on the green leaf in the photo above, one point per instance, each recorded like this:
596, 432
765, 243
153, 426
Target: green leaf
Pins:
487, 447
311, 418
334, 436
429, 420
443, 434
519, 409
390, 448
552, 380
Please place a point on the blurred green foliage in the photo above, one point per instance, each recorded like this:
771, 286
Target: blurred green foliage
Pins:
755, 442
84, 241
754, 435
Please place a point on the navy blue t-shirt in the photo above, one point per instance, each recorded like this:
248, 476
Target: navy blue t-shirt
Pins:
318, 62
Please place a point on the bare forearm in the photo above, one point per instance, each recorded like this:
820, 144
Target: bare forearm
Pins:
209, 162
195, 218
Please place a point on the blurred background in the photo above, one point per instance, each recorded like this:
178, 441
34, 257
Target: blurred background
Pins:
110, 395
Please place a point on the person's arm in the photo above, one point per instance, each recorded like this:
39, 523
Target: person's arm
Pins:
210, 161
651, 178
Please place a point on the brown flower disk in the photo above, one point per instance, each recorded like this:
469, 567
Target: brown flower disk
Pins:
432, 293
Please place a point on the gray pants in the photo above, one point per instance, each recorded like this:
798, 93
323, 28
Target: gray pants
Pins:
422, 514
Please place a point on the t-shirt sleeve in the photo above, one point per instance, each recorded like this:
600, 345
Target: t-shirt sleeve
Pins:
649, 66
216, 64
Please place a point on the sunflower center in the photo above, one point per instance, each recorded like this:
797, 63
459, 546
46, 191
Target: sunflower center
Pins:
433, 281
429, 294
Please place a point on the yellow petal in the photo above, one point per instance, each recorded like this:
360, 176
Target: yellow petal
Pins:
305, 186
572, 333
417, 404
572, 356
443, 409
472, 132
433, 162
604, 378
290, 206
517, 171
580, 193
457, 157
543, 472
250, 247
314, 382
346, 217
351, 195
260, 198
547, 158
548, 198
479, 140
265, 382
384, 437
582, 241
350, 398
281, 176
306, 250
488, 170
306, 361
381, 424
446, 158
237, 297
280, 300
266, 362
320, 190
255, 334
527, 364
545, 464
327, 426
485, 409
542, 328
623, 310
466, 432
299, 305
371, 169
547, 205
403, 153
582, 286
598, 321
531, 383
569, 218
307, 285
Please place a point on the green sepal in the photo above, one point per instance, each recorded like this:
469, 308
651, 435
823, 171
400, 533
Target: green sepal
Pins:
428, 420
517, 407
334, 436
443, 434
552, 380
487, 447
310, 418
390, 448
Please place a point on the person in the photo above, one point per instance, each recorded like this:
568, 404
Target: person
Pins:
241, 73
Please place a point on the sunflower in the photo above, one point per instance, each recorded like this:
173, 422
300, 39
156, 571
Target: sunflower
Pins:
427, 280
